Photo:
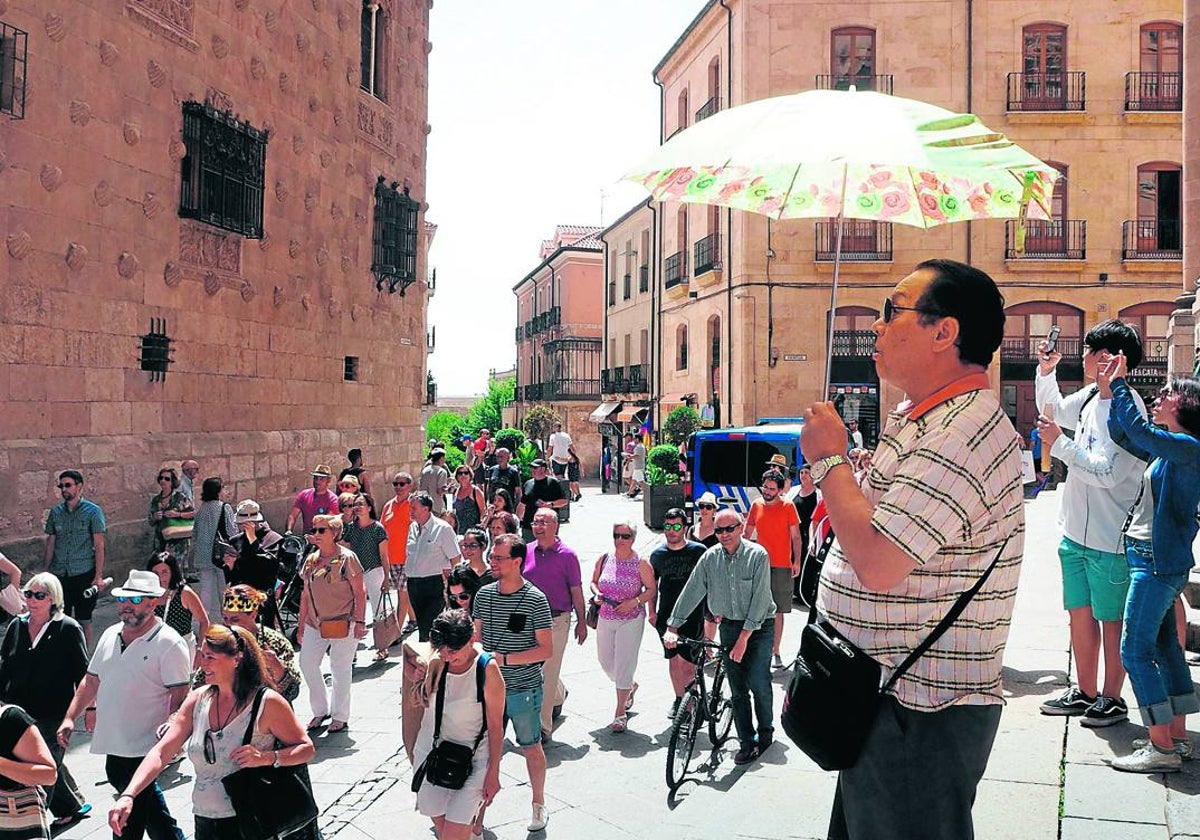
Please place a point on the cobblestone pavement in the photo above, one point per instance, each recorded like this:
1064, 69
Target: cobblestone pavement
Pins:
1046, 779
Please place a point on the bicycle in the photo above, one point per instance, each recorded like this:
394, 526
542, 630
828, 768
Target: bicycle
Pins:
699, 705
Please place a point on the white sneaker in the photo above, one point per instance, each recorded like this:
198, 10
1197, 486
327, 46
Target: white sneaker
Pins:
1148, 759
540, 817
1183, 747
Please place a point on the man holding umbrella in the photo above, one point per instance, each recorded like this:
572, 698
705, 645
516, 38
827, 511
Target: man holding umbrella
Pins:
942, 504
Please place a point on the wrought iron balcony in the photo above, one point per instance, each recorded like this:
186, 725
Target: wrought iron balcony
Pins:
571, 389
1058, 239
612, 381
430, 389
635, 382
1046, 91
708, 108
553, 316
708, 253
879, 84
853, 344
863, 240
520, 331
529, 329
533, 392
1153, 91
1152, 239
644, 279
675, 270
1026, 349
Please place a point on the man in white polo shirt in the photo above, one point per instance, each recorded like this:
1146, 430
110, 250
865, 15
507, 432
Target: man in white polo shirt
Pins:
137, 679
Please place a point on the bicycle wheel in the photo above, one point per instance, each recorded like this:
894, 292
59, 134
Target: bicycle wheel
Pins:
682, 745
720, 710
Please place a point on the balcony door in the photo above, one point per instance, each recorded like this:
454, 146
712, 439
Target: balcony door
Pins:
1044, 66
1159, 207
1049, 238
852, 58
1161, 66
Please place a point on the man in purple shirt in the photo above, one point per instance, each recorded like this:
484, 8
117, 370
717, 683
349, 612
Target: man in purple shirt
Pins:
554, 568
318, 499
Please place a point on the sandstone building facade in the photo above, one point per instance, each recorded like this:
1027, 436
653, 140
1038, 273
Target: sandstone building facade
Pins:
213, 218
741, 303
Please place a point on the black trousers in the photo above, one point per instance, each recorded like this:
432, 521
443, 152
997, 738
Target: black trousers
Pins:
428, 599
149, 815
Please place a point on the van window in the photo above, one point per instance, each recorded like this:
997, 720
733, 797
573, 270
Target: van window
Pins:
739, 463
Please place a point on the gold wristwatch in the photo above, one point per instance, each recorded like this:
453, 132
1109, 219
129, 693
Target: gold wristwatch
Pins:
822, 467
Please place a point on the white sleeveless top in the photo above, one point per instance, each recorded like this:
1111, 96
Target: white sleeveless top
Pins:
462, 717
208, 794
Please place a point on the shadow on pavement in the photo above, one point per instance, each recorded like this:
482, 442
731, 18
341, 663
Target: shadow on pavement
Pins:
1030, 683
628, 743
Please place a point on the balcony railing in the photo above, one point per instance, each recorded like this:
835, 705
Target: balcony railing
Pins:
533, 393
571, 389
708, 108
1059, 239
708, 253
675, 270
529, 330
1153, 91
635, 380
644, 279
879, 84
627, 287
853, 343
1152, 239
553, 316
863, 240
613, 381
1046, 91
1026, 349
520, 331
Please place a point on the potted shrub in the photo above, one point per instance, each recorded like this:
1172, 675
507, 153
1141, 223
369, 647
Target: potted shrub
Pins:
663, 487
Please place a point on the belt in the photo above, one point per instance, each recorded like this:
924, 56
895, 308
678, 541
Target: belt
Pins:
557, 613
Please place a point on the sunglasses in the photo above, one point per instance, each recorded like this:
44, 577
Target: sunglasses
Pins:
890, 309
673, 526
617, 535
707, 507
461, 597
164, 478
400, 483
318, 530
65, 486
132, 599
37, 596
725, 529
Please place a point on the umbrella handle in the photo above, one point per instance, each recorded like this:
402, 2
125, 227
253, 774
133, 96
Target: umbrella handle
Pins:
837, 266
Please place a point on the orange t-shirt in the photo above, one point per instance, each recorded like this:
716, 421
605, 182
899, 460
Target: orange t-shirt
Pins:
772, 524
396, 519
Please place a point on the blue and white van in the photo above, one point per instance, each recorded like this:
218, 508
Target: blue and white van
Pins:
729, 463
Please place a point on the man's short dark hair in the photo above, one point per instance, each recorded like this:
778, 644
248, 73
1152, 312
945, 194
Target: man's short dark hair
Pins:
515, 545
971, 297
774, 475
1116, 337
437, 456
74, 475
675, 513
422, 498
353, 455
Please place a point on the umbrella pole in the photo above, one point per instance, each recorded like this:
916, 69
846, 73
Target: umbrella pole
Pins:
837, 265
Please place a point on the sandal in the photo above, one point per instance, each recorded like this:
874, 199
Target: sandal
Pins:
317, 722
337, 726
632, 693
620, 723
69, 820
381, 655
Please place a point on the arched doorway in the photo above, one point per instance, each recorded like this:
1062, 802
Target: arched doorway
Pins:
1152, 320
1025, 326
853, 382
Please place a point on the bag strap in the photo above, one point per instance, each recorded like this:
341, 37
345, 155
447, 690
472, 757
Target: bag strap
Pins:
258, 698
944, 624
438, 705
820, 557
481, 665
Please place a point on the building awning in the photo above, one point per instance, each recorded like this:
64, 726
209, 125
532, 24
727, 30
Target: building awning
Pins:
676, 399
628, 415
603, 411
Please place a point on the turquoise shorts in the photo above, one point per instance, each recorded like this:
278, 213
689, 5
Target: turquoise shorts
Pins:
524, 709
1093, 578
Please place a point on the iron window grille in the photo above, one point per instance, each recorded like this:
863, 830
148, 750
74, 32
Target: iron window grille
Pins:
155, 350
394, 245
350, 369
14, 44
223, 170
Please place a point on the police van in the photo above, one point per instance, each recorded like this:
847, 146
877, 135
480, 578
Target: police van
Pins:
729, 463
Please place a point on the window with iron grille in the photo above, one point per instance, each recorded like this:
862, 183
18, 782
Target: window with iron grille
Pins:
223, 170
13, 48
394, 246
350, 369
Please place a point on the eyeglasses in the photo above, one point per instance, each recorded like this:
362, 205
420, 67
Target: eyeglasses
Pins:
673, 526
461, 597
65, 486
349, 507
890, 309
771, 487
466, 544
164, 478
617, 535
318, 530
707, 506
132, 599
725, 529
37, 596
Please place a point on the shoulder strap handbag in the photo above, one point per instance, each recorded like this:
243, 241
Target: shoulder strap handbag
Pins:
269, 801
221, 539
834, 691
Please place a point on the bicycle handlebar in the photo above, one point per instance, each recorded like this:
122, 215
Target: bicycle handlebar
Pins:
702, 643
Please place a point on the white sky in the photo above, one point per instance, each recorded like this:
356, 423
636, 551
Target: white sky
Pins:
536, 106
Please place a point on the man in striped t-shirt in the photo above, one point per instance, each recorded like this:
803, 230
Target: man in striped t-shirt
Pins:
940, 498
512, 619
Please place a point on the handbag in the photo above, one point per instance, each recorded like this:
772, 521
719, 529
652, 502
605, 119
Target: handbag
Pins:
385, 629
23, 814
177, 529
335, 628
220, 545
592, 616
834, 692
449, 764
269, 801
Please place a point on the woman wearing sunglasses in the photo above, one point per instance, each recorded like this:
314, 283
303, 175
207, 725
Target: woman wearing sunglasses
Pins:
332, 620
461, 585
169, 508
212, 723
473, 544
468, 501
42, 680
363, 535
624, 584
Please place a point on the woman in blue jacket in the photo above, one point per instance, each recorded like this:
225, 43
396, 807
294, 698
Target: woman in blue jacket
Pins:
1158, 547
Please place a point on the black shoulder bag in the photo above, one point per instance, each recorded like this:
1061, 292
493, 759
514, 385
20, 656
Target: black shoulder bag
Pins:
834, 692
448, 764
220, 543
269, 801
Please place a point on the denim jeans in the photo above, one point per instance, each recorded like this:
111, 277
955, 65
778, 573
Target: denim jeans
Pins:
751, 676
149, 814
1150, 649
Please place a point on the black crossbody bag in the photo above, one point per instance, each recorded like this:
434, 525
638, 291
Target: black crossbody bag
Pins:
448, 764
834, 692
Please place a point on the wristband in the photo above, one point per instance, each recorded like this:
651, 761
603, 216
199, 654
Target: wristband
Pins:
275, 763
126, 796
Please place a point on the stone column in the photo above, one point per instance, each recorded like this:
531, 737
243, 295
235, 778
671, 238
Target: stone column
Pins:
1191, 148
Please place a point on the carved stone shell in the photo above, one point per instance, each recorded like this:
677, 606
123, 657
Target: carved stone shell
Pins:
326, 158
109, 53
3, 160
272, 21
81, 112
314, 104
347, 264
212, 283
336, 212
306, 302
297, 143
356, 312
264, 244
302, 42
51, 177
76, 256
343, 19
3, 7
322, 255
310, 201
339, 116
151, 206
128, 265
352, 74
277, 296
294, 248
258, 67
327, 61
317, 5
19, 244
281, 190
220, 47
56, 27
285, 83
334, 308
177, 149
156, 73
247, 291
172, 274
131, 133
241, 5
103, 193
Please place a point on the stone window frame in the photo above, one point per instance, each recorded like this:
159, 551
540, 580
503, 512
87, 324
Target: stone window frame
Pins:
374, 22
681, 347
223, 170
